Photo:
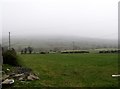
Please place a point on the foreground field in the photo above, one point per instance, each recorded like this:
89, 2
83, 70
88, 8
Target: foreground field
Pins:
71, 70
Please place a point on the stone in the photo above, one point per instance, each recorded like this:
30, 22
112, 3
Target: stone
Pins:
32, 77
21, 79
8, 81
29, 78
8, 69
19, 75
5, 76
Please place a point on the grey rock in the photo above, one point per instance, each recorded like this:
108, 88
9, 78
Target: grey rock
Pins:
5, 77
8, 81
19, 75
21, 78
32, 77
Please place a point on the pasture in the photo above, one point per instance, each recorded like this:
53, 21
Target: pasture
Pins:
71, 70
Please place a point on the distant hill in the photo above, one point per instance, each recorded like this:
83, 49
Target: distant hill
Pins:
59, 42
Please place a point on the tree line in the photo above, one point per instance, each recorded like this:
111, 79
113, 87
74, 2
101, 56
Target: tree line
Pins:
110, 51
27, 50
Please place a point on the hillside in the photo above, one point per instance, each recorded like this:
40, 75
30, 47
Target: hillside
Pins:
59, 42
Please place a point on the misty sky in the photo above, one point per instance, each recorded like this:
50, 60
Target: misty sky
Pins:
81, 18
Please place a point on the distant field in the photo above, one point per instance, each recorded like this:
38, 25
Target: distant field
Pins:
71, 70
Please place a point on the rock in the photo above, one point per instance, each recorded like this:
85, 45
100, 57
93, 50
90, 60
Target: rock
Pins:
5, 76
19, 75
29, 78
21, 79
8, 69
8, 81
32, 77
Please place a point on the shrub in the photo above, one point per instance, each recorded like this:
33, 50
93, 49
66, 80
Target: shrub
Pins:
42, 52
10, 57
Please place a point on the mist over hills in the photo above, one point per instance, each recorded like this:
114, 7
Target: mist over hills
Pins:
59, 42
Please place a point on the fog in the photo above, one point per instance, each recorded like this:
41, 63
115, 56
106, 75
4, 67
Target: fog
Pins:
80, 18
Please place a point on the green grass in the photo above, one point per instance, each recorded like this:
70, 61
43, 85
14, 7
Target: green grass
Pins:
71, 70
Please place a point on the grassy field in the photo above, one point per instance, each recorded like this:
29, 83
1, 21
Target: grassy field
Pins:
71, 70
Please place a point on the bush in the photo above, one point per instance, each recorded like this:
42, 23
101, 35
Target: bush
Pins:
10, 57
42, 52
75, 52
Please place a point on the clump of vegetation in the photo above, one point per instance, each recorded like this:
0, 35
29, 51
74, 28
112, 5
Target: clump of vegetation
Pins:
27, 50
10, 57
42, 52
75, 51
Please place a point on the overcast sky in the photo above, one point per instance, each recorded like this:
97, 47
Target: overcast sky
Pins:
82, 18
